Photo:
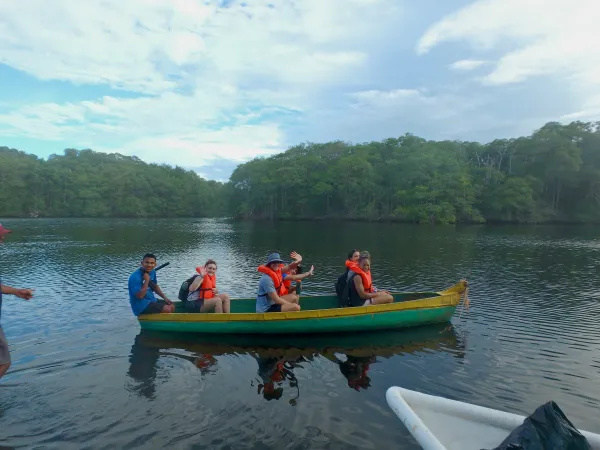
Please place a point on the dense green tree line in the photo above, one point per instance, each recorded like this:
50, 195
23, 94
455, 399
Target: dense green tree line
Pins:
552, 175
90, 184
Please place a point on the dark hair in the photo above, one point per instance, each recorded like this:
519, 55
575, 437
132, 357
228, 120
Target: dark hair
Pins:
352, 252
210, 261
149, 255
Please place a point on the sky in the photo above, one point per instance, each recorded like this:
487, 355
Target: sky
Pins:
210, 84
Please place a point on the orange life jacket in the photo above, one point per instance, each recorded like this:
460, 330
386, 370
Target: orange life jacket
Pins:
366, 277
277, 278
208, 284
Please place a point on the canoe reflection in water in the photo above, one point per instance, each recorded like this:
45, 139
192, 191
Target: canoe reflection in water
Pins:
278, 365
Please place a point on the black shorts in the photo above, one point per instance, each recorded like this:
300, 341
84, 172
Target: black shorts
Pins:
154, 307
193, 306
274, 308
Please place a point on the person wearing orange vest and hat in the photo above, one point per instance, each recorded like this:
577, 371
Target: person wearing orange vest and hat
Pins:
25, 294
361, 290
272, 295
203, 293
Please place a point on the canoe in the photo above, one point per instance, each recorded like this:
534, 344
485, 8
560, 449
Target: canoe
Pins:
319, 314
438, 423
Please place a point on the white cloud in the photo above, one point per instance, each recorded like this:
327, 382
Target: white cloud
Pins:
467, 64
210, 78
168, 128
544, 37
556, 39
212, 83
137, 44
398, 102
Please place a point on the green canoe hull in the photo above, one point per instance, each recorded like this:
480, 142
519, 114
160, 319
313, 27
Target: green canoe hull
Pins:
319, 314
380, 321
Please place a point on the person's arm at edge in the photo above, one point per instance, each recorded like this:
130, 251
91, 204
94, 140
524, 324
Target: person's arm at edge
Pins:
25, 294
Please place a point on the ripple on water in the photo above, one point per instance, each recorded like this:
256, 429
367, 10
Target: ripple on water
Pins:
83, 375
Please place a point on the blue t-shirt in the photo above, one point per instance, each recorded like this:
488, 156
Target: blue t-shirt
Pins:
263, 301
135, 285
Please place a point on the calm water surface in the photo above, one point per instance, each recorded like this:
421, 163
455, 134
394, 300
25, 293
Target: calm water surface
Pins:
85, 376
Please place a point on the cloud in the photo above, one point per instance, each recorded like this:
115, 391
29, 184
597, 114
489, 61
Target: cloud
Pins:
531, 39
139, 45
467, 64
537, 37
212, 81
206, 84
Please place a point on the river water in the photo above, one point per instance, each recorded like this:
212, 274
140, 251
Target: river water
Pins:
84, 376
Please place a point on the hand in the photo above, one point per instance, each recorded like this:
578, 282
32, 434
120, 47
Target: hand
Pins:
25, 294
215, 291
168, 302
311, 272
297, 257
201, 270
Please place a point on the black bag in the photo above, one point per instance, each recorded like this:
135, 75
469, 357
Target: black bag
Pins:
185, 288
341, 290
546, 429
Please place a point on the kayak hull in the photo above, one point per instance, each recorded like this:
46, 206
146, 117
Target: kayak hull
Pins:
438, 423
317, 316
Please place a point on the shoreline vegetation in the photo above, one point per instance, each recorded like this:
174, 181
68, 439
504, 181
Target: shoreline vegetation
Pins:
549, 177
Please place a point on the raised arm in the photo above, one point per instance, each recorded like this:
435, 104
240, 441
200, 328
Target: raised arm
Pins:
297, 259
196, 283
301, 276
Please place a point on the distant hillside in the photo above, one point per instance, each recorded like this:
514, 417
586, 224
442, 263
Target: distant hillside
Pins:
84, 183
551, 176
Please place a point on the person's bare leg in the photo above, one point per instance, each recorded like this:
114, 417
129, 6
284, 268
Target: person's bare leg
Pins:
226, 302
382, 298
289, 307
291, 298
212, 303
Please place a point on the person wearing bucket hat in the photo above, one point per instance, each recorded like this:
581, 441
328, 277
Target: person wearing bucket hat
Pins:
272, 295
25, 294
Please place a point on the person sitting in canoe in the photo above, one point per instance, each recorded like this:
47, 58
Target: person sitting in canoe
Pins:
272, 295
342, 281
142, 285
203, 293
293, 275
361, 291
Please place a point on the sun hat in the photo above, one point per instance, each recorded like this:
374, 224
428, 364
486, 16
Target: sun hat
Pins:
273, 257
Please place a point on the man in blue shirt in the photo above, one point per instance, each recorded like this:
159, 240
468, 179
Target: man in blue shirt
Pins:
25, 294
142, 285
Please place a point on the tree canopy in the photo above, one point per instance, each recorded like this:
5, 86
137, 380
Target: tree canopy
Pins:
552, 175
84, 183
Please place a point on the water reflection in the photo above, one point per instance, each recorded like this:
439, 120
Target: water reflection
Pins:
279, 358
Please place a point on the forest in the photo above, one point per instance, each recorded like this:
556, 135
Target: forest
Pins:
551, 176
84, 183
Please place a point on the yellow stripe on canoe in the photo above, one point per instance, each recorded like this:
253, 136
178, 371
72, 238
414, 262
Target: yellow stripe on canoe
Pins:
448, 297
